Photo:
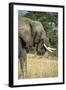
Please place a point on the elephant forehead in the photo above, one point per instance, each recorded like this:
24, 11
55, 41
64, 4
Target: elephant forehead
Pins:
38, 26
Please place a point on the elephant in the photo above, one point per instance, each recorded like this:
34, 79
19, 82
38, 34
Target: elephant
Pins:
31, 33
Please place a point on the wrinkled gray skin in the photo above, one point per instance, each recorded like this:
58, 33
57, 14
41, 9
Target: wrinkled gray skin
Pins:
30, 33
22, 57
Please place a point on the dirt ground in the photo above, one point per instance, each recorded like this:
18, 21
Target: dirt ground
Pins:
41, 66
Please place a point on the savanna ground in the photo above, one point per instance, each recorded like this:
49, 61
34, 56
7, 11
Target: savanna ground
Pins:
41, 66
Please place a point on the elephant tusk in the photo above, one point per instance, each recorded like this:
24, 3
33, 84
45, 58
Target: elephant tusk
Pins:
48, 48
52, 48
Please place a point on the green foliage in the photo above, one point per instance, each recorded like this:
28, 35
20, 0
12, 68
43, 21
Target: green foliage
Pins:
49, 21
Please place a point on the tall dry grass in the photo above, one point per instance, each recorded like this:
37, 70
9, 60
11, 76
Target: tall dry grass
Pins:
41, 66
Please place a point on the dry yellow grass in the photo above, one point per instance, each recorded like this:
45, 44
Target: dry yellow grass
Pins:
41, 66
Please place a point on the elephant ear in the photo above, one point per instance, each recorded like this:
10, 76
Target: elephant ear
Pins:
24, 31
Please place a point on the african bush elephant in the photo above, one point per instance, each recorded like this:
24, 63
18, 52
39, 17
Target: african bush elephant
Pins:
31, 33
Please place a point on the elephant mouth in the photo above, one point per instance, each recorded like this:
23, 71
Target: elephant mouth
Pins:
49, 49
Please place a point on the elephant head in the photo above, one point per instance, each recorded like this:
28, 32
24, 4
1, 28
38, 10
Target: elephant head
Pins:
33, 34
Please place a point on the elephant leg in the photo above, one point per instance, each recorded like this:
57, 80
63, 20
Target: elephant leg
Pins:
22, 67
24, 63
22, 58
